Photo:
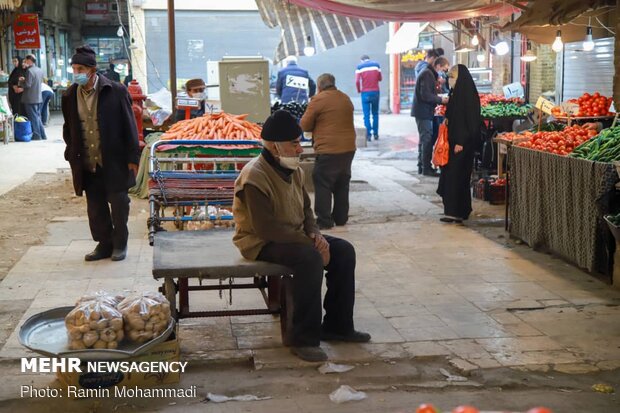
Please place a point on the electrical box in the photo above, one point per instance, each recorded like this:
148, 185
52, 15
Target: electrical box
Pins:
244, 87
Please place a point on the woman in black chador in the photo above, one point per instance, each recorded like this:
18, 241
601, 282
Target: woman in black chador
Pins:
15, 91
463, 121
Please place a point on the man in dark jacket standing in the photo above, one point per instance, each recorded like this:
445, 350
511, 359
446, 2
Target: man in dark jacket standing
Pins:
424, 101
292, 81
102, 148
32, 99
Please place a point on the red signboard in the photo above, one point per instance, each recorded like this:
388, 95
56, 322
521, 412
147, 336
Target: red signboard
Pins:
26, 31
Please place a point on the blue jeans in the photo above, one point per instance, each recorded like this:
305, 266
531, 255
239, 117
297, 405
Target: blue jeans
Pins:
47, 96
33, 113
370, 104
425, 147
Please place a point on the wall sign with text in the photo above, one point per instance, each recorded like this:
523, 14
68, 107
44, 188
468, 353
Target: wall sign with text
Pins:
26, 31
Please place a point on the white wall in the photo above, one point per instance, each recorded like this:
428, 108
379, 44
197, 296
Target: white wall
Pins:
200, 5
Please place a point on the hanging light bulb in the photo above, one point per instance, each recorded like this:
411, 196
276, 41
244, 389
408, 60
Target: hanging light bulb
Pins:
529, 56
502, 48
558, 45
309, 49
481, 57
588, 43
120, 31
474, 40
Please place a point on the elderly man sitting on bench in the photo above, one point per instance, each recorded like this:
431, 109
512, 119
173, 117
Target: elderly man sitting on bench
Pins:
274, 223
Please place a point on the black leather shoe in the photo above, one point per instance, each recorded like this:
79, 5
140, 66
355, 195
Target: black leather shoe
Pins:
311, 354
352, 337
99, 253
119, 254
376, 137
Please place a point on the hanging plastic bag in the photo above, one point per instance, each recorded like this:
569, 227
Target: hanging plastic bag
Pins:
442, 147
145, 316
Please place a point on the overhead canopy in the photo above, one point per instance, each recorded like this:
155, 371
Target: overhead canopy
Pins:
406, 38
410, 10
543, 18
325, 30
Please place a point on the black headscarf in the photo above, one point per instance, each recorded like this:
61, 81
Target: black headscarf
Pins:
463, 111
17, 72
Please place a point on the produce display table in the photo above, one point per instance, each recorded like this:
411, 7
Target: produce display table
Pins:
211, 255
557, 203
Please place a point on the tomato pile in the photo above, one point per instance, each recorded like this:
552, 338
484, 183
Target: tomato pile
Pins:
593, 105
559, 143
488, 98
511, 136
429, 408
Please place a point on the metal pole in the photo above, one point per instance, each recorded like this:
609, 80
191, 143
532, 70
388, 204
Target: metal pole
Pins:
172, 51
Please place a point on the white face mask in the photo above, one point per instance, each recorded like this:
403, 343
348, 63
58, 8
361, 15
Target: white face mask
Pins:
200, 95
289, 162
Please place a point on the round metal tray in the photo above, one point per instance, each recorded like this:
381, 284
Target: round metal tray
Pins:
45, 333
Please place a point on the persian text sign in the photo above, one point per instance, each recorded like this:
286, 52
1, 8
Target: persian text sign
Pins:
26, 31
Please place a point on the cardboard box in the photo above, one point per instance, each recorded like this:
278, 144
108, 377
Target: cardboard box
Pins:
168, 351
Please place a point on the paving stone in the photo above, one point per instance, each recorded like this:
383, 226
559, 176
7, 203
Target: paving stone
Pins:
463, 366
515, 358
580, 368
387, 351
256, 342
428, 333
465, 348
426, 349
495, 345
609, 365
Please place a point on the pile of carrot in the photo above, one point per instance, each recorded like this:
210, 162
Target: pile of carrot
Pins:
214, 126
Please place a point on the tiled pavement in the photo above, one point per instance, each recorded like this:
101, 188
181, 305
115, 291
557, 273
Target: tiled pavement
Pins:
423, 290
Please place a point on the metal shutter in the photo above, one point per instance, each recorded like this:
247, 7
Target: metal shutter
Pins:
588, 71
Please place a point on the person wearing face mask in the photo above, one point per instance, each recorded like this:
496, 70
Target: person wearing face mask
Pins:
463, 121
274, 223
195, 89
329, 116
425, 99
32, 98
102, 148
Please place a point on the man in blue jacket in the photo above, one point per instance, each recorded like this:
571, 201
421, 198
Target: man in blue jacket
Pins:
424, 101
289, 86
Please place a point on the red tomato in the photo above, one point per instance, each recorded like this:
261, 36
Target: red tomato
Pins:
465, 409
596, 95
427, 408
539, 410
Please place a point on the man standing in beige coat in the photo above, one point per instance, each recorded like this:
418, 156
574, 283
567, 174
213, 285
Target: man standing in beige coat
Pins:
329, 117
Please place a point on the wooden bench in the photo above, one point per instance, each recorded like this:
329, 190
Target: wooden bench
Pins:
211, 255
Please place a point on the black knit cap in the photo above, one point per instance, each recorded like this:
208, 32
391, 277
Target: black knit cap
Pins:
281, 126
85, 56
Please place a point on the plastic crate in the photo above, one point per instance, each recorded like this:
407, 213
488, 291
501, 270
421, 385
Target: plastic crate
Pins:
497, 194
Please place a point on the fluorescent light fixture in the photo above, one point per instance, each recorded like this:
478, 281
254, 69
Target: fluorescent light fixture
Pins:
558, 45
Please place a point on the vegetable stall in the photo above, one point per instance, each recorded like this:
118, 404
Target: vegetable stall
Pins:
561, 186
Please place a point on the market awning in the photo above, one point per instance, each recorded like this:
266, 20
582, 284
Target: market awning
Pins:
406, 38
410, 10
326, 30
10, 4
543, 18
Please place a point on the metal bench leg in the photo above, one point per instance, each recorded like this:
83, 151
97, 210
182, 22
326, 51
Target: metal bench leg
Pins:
273, 293
183, 296
170, 291
286, 310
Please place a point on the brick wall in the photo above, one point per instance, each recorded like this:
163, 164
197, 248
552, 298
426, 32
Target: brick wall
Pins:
542, 71
500, 73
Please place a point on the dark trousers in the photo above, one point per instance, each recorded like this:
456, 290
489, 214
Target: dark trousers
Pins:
33, 113
307, 266
331, 177
107, 212
425, 147
47, 96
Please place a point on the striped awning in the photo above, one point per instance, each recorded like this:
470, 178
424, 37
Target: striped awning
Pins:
10, 4
326, 30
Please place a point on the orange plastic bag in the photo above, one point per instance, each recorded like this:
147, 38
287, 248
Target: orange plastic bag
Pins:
442, 147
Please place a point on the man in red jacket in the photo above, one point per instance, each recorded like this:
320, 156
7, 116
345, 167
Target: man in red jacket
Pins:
367, 78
